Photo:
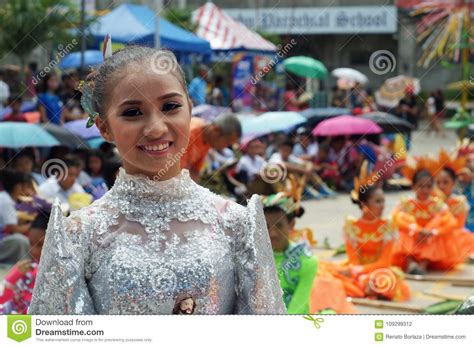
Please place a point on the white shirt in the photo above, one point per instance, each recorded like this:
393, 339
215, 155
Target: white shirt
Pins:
4, 92
7, 210
311, 150
251, 166
292, 159
51, 189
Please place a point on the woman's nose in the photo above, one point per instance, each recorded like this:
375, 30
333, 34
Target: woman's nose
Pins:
156, 126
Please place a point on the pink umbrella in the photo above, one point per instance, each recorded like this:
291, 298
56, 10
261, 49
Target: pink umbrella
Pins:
346, 125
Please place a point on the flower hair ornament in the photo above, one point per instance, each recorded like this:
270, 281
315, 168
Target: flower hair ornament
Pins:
86, 87
364, 180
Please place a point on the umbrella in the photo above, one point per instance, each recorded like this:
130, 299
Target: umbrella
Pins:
350, 74
96, 142
305, 67
393, 90
270, 122
316, 115
345, 84
346, 125
73, 60
20, 134
388, 122
79, 128
209, 112
64, 136
324, 112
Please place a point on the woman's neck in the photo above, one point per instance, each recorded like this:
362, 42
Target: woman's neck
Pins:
159, 175
369, 217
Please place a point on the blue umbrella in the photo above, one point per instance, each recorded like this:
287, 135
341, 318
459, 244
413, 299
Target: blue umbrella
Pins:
95, 142
209, 112
271, 122
18, 135
73, 60
79, 128
324, 112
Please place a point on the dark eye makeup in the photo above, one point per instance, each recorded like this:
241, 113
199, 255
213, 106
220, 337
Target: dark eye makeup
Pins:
135, 111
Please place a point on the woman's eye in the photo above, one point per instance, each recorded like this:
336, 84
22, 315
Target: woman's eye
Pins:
170, 106
133, 112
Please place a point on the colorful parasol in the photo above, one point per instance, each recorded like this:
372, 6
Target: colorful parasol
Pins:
346, 125
393, 90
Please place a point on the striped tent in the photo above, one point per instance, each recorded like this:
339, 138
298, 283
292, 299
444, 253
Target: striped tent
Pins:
225, 33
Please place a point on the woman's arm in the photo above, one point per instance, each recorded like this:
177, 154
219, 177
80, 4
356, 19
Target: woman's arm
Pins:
60, 286
258, 289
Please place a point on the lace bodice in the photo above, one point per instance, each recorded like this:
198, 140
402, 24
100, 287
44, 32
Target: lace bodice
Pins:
147, 244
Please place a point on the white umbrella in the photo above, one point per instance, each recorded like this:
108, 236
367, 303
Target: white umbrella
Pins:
350, 74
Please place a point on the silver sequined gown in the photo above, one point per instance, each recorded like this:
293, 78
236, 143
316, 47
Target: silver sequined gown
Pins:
147, 242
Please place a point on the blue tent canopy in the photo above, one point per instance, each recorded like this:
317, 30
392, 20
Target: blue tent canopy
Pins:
135, 24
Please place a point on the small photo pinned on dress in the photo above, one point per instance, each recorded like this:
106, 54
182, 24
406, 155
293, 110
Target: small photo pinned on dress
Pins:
185, 304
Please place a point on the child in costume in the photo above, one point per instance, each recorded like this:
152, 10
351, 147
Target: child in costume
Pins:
20, 281
447, 170
369, 243
304, 289
426, 225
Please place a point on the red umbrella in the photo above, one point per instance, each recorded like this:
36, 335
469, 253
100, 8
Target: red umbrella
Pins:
346, 125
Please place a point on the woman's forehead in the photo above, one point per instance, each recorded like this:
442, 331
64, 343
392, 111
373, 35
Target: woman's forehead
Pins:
145, 84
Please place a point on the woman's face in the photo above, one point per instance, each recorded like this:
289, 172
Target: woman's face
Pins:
53, 83
148, 118
278, 228
375, 204
423, 188
95, 165
445, 183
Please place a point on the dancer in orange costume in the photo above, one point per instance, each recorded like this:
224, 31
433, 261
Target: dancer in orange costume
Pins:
369, 243
447, 170
427, 227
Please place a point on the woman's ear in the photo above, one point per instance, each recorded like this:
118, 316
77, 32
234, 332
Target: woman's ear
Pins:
292, 223
190, 103
104, 129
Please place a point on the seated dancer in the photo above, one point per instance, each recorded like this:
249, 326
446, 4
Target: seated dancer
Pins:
446, 178
369, 243
304, 289
426, 226
466, 181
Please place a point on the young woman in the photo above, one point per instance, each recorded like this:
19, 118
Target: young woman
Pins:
427, 227
156, 236
369, 243
446, 179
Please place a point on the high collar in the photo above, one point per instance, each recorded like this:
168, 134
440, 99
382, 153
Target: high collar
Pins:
141, 186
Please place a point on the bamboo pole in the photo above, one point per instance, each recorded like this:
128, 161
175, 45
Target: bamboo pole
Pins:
387, 305
458, 281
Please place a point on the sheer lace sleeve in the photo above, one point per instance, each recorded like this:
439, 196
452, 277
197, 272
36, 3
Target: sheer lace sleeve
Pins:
257, 287
60, 286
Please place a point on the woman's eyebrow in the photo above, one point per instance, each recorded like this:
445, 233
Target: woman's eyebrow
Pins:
130, 102
169, 95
